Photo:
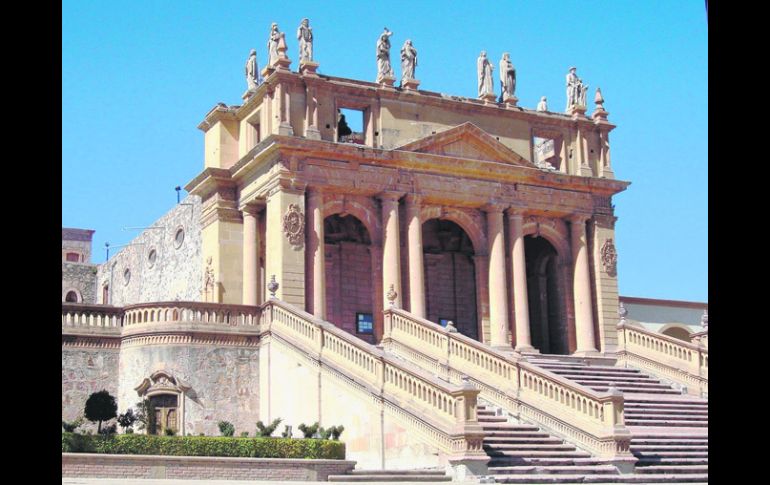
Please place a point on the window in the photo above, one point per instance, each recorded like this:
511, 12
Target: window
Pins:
151, 257
179, 237
365, 323
71, 297
127, 276
106, 294
350, 126
73, 257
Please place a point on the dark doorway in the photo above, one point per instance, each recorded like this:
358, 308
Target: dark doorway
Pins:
450, 276
548, 327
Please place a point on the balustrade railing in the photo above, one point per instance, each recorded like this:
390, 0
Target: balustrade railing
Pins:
592, 418
448, 407
96, 317
681, 361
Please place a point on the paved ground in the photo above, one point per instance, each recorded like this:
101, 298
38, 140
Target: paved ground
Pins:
131, 481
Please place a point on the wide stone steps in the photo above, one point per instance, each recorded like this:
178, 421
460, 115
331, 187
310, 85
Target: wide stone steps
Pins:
556, 469
667, 423
681, 417
603, 479
668, 447
392, 476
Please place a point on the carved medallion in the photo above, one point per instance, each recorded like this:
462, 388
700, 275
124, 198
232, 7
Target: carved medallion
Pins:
294, 225
609, 257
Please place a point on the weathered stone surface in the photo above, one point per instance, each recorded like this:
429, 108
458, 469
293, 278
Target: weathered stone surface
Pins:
84, 371
81, 278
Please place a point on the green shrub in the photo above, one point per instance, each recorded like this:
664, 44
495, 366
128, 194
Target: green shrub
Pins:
226, 428
244, 434
308, 431
169, 432
134, 444
71, 426
266, 431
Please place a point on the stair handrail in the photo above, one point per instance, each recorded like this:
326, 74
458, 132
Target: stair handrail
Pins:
686, 362
594, 419
449, 409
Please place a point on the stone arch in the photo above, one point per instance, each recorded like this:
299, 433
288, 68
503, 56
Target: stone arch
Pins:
676, 330
67, 295
557, 236
362, 208
471, 223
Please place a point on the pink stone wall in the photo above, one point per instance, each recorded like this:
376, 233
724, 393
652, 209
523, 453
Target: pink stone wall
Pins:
450, 290
89, 465
348, 285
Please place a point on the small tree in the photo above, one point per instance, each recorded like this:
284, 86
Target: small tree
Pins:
100, 406
127, 419
145, 416
267, 431
226, 428
71, 426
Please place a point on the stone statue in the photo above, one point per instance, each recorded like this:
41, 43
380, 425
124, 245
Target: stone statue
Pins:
542, 105
507, 76
576, 90
305, 37
408, 61
484, 69
252, 72
384, 69
272, 44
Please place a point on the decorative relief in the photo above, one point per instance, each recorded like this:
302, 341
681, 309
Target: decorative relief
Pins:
609, 257
208, 281
294, 225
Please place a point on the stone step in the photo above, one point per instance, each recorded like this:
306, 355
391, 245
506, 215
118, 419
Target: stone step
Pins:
669, 410
678, 399
492, 419
636, 390
516, 434
684, 469
538, 454
568, 366
427, 472
603, 479
651, 455
681, 417
557, 470
490, 427
668, 447
389, 478
668, 441
508, 461
607, 376
667, 422
495, 440
666, 404
500, 447
671, 461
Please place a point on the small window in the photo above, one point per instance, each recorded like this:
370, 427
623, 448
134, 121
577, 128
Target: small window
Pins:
106, 294
151, 257
71, 297
444, 321
73, 257
126, 276
365, 323
350, 126
179, 237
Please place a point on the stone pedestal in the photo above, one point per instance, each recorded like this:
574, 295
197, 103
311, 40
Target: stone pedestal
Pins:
308, 68
599, 114
386, 81
312, 133
510, 101
489, 98
285, 129
410, 85
267, 71
576, 111
248, 94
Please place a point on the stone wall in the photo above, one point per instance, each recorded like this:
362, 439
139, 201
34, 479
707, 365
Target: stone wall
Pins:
450, 290
348, 285
76, 241
91, 465
156, 266
85, 371
80, 277
224, 381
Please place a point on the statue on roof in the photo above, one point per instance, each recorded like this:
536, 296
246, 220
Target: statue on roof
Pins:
507, 77
305, 37
252, 71
484, 70
576, 89
408, 61
272, 44
384, 69
542, 105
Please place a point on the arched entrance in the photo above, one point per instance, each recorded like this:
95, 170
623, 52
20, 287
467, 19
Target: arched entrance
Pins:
450, 276
547, 322
349, 276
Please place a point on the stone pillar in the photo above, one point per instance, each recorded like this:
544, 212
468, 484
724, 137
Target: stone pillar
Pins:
605, 260
416, 268
316, 262
285, 243
311, 116
519, 278
284, 110
250, 259
584, 320
498, 292
391, 249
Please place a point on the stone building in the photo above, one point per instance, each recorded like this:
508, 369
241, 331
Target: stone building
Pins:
78, 274
482, 273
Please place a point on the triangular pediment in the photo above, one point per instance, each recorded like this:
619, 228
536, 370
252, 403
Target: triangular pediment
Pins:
466, 141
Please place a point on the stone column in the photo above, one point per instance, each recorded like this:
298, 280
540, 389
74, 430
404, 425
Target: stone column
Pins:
519, 278
316, 262
285, 242
584, 320
311, 116
498, 292
416, 268
250, 260
391, 250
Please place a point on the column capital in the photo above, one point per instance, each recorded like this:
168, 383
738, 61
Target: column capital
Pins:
252, 207
414, 199
516, 212
492, 208
390, 195
315, 192
578, 218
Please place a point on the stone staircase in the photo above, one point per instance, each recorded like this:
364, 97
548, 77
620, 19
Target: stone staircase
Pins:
392, 476
669, 430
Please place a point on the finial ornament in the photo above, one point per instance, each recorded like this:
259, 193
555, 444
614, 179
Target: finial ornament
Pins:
623, 312
599, 99
391, 295
272, 286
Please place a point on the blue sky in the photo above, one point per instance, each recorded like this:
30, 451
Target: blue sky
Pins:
138, 77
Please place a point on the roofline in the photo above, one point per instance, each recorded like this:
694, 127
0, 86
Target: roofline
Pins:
656, 301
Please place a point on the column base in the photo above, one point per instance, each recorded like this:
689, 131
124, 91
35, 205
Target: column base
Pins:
587, 353
285, 129
308, 68
526, 349
312, 133
585, 171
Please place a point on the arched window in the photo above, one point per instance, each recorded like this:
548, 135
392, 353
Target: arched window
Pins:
72, 297
106, 294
